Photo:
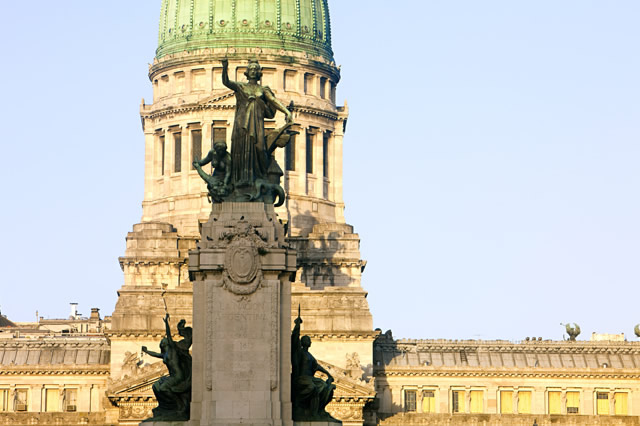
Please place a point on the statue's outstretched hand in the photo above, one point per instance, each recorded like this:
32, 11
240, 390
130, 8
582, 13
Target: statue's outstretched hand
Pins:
144, 349
225, 62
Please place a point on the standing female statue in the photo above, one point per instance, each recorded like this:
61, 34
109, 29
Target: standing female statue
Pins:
250, 156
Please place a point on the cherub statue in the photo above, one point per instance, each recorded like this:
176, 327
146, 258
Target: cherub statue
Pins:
219, 183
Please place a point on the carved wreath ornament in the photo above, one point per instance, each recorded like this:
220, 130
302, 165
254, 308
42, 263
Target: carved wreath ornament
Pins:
242, 266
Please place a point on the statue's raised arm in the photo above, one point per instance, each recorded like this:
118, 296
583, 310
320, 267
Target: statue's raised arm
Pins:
225, 76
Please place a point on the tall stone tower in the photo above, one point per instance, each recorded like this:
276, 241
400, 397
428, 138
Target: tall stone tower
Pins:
191, 110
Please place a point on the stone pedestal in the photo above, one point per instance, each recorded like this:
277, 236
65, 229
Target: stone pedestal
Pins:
241, 274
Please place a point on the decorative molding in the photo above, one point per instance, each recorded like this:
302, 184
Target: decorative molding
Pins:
504, 373
67, 370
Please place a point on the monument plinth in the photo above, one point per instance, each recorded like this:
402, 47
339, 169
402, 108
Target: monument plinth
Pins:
241, 275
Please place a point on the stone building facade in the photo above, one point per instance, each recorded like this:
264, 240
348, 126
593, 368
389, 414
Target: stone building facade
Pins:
380, 380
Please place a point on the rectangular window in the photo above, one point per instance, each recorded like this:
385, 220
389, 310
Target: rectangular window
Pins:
70, 400
323, 85
620, 399
20, 401
308, 84
290, 80
573, 402
198, 80
555, 402
4, 399
290, 154
524, 402
602, 399
428, 402
325, 154
506, 402
477, 402
410, 400
219, 134
457, 401
52, 402
309, 152
177, 139
196, 144
162, 155
179, 82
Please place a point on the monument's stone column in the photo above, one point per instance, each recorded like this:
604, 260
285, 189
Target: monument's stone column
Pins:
241, 274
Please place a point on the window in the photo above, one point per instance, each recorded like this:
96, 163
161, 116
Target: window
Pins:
4, 399
573, 402
323, 84
308, 84
178, 84
198, 80
602, 399
325, 154
477, 401
162, 155
309, 152
506, 402
620, 400
70, 400
20, 401
290, 81
177, 140
410, 400
457, 401
555, 402
196, 144
52, 400
524, 402
219, 134
428, 402
290, 154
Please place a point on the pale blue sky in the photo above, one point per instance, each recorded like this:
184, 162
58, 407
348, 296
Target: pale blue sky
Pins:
491, 159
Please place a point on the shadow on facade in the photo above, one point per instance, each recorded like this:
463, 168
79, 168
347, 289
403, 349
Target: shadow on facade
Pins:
385, 349
324, 259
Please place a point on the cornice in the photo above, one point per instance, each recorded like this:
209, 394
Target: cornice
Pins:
599, 374
150, 261
548, 347
346, 335
135, 333
266, 56
97, 343
66, 370
212, 105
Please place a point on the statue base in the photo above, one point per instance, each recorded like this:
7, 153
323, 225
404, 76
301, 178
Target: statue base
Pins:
241, 275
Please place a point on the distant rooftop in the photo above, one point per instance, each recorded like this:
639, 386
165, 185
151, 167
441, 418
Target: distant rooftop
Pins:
5, 322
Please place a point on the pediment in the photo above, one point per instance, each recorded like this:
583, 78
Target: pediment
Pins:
348, 386
139, 383
217, 98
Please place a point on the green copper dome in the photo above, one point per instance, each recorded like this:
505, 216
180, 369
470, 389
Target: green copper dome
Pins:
293, 25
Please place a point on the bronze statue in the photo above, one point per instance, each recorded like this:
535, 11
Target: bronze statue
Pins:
173, 392
309, 394
573, 332
219, 183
